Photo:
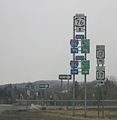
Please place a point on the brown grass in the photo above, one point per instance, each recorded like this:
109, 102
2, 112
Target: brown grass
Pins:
57, 115
79, 114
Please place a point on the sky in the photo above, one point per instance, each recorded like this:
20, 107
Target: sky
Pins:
35, 37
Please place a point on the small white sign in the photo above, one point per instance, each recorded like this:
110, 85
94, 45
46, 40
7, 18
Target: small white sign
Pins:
100, 61
100, 83
80, 29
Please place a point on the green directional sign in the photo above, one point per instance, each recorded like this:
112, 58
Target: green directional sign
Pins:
84, 72
85, 46
32, 88
85, 65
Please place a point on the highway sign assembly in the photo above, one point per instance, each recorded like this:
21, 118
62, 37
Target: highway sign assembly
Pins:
65, 77
43, 86
74, 43
79, 33
74, 64
74, 71
100, 72
80, 57
85, 45
74, 50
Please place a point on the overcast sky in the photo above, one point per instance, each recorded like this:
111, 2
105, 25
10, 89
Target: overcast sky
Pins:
35, 36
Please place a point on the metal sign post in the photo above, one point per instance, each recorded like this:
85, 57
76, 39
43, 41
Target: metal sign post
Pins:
100, 75
44, 87
74, 74
85, 76
64, 77
102, 102
61, 83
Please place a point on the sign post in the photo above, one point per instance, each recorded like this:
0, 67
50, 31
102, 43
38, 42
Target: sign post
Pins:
44, 88
64, 77
74, 23
100, 74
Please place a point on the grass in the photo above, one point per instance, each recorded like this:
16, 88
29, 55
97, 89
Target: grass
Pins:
79, 115
57, 115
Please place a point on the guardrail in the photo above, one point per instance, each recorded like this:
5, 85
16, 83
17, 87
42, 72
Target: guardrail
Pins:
67, 102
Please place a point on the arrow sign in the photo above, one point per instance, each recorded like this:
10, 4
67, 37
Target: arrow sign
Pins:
74, 64
43, 85
65, 77
74, 43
